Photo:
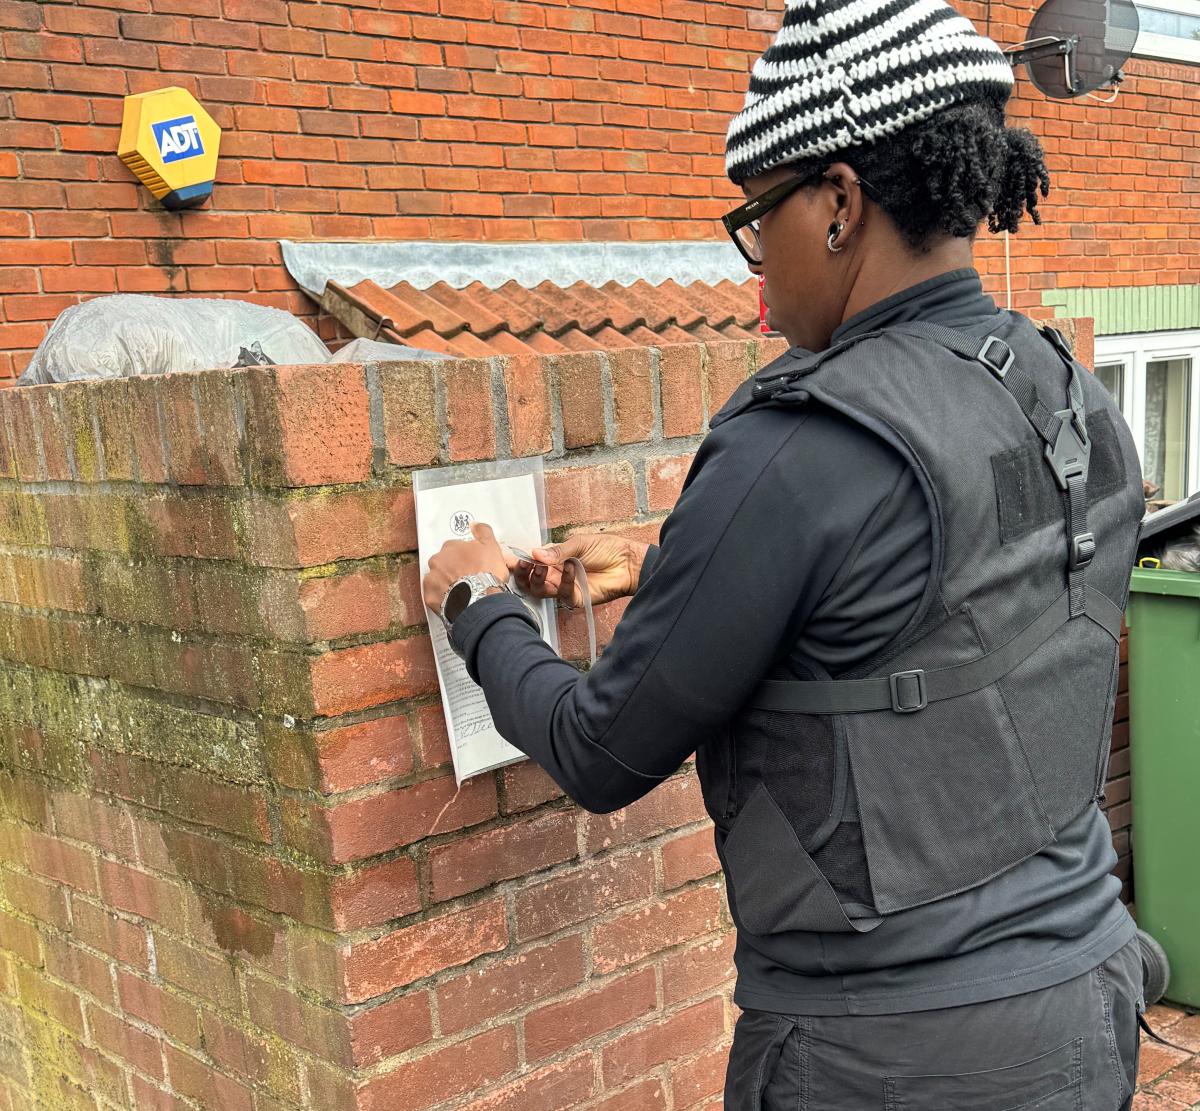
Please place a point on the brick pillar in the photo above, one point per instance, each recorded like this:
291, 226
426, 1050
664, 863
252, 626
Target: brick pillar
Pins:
234, 869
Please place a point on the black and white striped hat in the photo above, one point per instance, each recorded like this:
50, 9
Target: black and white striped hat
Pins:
841, 73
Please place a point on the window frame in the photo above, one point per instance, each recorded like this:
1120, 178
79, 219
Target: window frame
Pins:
1134, 351
1167, 47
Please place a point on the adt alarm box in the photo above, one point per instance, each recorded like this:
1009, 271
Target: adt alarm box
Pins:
171, 143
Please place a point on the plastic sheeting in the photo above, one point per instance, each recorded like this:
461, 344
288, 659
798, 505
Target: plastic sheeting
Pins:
134, 334
363, 350
1183, 554
1172, 536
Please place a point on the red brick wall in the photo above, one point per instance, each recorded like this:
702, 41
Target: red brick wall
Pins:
482, 120
234, 868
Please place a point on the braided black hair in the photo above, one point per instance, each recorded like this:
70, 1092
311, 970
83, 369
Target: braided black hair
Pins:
944, 175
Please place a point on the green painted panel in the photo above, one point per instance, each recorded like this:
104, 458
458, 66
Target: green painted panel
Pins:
1161, 308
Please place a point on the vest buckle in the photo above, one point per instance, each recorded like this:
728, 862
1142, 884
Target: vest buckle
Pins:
1083, 547
910, 697
1071, 450
998, 366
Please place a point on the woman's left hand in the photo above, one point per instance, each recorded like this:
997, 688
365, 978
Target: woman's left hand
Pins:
463, 557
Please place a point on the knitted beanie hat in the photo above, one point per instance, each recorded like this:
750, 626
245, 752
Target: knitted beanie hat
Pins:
842, 73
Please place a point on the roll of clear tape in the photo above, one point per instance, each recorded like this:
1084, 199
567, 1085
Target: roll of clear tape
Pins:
581, 578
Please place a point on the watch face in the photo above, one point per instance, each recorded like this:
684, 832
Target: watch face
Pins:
456, 600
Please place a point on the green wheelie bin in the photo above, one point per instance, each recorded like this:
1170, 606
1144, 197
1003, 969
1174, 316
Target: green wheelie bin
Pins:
1163, 618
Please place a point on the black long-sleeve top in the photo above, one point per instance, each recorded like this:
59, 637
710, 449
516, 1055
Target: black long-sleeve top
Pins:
797, 530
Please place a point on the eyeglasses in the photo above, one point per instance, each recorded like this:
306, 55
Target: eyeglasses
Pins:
743, 222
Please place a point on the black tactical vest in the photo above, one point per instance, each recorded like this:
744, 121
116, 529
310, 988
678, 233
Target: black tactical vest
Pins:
985, 727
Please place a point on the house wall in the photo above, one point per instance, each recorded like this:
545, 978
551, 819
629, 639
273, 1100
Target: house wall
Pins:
486, 120
217, 717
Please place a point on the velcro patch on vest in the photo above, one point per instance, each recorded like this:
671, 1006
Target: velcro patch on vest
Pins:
1027, 496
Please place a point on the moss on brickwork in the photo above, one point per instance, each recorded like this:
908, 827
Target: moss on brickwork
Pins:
83, 442
100, 521
247, 601
75, 714
55, 1055
324, 570
138, 655
49, 711
312, 902
176, 594
285, 683
11, 1032
8, 638
291, 753
226, 749
143, 537
273, 1062
184, 594
282, 1073
22, 519
50, 1056
19, 578
126, 590
23, 800
12, 1060
66, 762
234, 591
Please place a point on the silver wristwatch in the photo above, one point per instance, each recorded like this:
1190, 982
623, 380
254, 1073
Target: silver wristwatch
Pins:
468, 589
462, 592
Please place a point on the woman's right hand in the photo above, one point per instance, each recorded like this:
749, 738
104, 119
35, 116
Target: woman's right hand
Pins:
612, 563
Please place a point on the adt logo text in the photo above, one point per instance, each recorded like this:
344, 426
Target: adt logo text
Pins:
178, 139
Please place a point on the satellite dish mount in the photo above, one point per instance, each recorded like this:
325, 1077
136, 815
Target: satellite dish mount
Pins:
1035, 50
1094, 39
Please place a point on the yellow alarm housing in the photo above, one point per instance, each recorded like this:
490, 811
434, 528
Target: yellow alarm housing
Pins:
170, 142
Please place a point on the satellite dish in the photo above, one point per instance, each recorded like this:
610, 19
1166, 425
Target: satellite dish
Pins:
1077, 46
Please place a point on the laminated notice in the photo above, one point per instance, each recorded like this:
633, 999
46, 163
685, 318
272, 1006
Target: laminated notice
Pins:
509, 496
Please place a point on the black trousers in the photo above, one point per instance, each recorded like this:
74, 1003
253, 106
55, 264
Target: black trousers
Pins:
1070, 1047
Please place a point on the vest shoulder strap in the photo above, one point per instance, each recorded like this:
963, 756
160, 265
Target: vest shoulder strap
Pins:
1067, 446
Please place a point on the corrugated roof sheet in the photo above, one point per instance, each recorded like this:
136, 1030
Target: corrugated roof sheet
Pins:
513, 319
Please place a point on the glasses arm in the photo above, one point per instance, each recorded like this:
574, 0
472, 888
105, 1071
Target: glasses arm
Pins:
757, 207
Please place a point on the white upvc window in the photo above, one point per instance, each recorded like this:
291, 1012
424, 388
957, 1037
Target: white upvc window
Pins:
1155, 378
1170, 29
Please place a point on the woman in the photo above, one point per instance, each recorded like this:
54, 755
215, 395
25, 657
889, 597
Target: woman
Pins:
883, 612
